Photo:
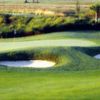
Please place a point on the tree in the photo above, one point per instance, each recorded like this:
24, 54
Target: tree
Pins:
96, 8
77, 8
26, 1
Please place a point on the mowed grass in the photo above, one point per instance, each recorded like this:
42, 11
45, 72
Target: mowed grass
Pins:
45, 43
58, 47
64, 85
76, 76
89, 35
66, 58
60, 39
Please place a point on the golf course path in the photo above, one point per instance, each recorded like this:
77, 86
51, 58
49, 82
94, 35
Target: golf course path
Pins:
7, 46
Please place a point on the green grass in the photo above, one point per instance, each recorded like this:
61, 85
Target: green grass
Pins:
60, 46
81, 39
66, 58
50, 85
76, 75
45, 43
89, 35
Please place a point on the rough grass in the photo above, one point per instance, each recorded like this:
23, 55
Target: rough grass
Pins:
55, 5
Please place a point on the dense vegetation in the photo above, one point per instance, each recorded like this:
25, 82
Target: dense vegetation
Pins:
11, 26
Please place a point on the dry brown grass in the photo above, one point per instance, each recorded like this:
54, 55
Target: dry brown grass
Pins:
40, 9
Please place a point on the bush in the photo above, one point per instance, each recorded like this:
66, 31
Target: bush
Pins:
26, 25
1, 20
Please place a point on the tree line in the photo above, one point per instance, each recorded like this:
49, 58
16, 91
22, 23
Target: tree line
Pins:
95, 7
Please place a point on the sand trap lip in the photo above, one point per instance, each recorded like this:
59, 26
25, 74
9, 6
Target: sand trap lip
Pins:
28, 63
97, 56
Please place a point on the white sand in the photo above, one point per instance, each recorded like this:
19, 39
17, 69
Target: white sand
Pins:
29, 63
97, 56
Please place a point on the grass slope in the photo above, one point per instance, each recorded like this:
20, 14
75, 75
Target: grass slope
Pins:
66, 58
58, 47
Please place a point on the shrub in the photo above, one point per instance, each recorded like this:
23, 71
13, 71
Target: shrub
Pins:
26, 25
1, 20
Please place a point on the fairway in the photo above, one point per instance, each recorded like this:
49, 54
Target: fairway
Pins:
50, 85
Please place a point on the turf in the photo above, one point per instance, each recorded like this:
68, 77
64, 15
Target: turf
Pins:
76, 75
59, 47
45, 43
69, 39
50, 85
89, 35
67, 59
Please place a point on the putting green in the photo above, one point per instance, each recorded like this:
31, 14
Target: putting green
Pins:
8, 46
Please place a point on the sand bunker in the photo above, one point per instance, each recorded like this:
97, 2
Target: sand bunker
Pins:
97, 56
29, 63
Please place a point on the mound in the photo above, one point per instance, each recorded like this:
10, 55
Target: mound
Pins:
65, 58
